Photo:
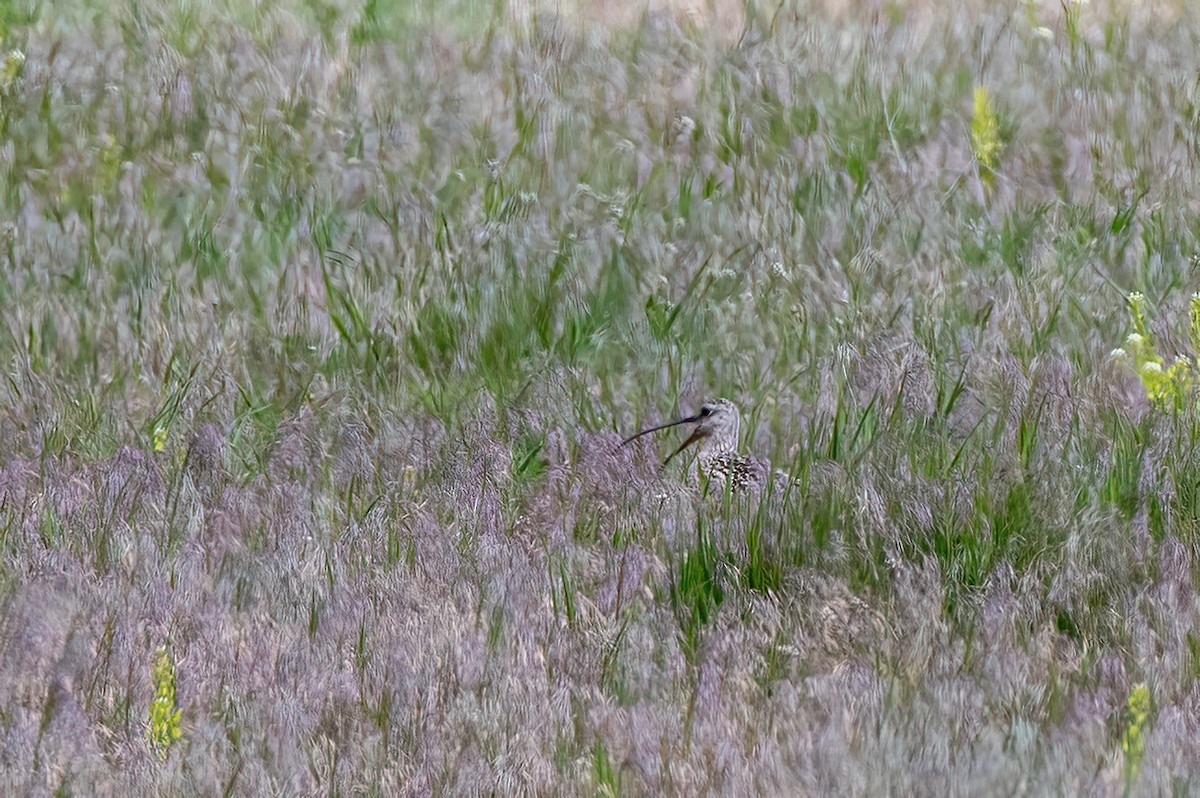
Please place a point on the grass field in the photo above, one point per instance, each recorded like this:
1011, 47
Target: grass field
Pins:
322, 325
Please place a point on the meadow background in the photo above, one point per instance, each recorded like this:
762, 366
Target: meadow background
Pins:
321, 324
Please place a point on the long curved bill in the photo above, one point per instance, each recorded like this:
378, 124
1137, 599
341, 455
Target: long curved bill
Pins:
695, 436
668, 425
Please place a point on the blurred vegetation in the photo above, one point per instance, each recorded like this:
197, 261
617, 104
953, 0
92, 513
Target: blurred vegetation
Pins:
319, 317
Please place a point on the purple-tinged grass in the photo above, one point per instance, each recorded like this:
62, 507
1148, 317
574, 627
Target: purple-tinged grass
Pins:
322, 330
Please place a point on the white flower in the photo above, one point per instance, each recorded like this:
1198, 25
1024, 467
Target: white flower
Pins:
1118, 354
1152, 368
684, 126
1134, 340
1044, 33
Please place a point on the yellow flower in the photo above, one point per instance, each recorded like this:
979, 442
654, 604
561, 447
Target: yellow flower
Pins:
1165, 385
1194, 330
985, 131
10, 69
1133, 741
408, 478
165, 720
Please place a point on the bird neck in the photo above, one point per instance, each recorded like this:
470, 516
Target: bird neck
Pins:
714, 448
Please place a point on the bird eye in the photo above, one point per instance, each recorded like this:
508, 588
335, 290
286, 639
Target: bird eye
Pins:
706, 411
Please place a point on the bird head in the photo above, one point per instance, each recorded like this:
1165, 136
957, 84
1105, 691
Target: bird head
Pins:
716, 422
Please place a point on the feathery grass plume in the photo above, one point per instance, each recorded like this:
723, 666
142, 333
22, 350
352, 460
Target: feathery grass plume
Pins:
165, 718
206, 452
986, 143
1133, 739
1072, 10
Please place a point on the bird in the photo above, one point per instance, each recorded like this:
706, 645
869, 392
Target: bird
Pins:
716, 431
